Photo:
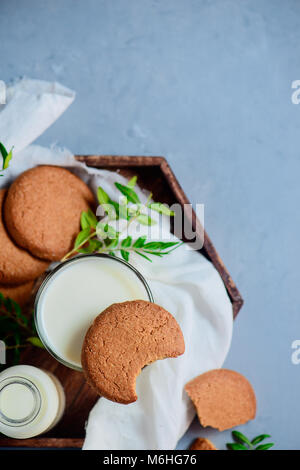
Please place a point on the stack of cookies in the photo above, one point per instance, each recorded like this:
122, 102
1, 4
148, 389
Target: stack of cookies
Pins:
39, 221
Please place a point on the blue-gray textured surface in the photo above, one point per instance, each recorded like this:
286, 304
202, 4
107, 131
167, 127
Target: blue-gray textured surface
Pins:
208, 85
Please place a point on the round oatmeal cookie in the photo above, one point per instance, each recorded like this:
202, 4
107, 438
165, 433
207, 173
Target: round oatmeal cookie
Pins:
42, 210
122, 340
223, 398
16, 265
20, 294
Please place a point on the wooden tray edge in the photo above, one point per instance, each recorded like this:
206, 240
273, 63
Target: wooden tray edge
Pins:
121, 160
42, 442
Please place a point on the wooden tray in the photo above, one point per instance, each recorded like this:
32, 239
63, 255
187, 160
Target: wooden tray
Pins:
154, 174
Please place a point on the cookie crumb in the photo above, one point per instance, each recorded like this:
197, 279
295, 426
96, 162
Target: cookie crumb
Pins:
202, 444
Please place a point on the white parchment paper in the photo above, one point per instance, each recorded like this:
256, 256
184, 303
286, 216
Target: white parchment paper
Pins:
185, 283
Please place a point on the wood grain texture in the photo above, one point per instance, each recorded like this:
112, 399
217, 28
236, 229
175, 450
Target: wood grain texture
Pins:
154, 174
43, 442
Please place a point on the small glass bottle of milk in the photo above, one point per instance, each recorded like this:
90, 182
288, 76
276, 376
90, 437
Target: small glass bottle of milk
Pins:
32, 401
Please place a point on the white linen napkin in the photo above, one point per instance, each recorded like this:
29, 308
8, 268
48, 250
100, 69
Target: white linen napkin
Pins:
184, 282
31, 107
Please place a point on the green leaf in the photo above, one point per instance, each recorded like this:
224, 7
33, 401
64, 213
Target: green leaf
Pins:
18, 312
17, 309
85, 250
92, 218
144, 219
82, 236
165, 245
113, 243
116, 206
7, 159
17, 355
161, 208
3, 151
132, 182
126, 242
154, 253
140, 242
102, 196
120, 210
7, 156
236, 446
241, 438
110, 210
125, 254
160, 245
142, 255
35, 341
259, 438
152, 245
84, 221
8, 304
101, 230
93, 245
111, 232
106, 231
134, 210
123, 212
17, 337
129, 193
265, 446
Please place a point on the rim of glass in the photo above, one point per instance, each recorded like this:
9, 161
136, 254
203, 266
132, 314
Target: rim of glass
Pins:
36, 396
48, 278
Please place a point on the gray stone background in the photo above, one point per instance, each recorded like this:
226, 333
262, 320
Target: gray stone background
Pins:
206, 83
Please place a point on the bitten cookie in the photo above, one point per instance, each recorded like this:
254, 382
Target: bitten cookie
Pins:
202, 444
16, 265
122, 340
42, 210
20, 294
223, 398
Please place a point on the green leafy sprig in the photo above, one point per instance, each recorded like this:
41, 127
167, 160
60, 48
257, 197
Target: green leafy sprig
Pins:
102, 237
6, 157
241, 442
17, 328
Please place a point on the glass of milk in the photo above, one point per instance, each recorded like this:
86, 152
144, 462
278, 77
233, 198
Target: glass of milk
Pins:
32, 401
74, 293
